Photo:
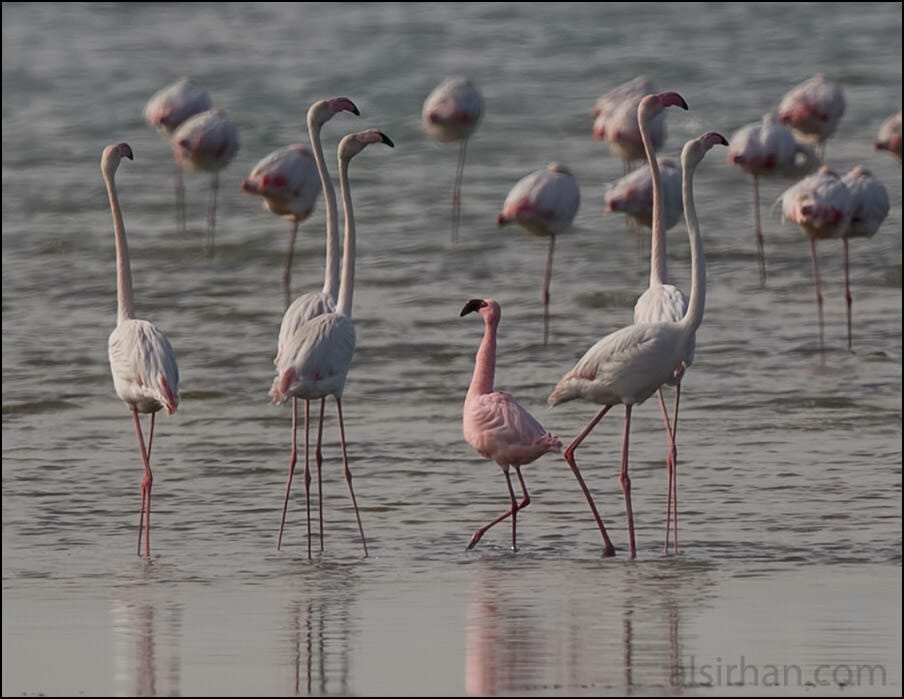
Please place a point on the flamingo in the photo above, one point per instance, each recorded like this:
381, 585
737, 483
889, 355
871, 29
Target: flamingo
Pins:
544, 203
207, 141
495, 424
870, 207
451, 113
662, 302
314, 362
142, 361
313, 304
615, 119
629, 365
768, 148
822, 206
632, 195
889, 137
813, 109
165, 111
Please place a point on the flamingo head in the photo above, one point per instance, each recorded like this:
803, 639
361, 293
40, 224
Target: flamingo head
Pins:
354, 143
112, 155
652, 105
324, 110
696, 148
488, 308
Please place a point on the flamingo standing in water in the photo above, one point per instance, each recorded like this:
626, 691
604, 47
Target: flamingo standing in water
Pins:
315, 360
822, 206
544, 203
313, 304
629, 365
495, 424
208, 142
142, 361
767, 148
615, 120
451, 113
165, 111
813, 109
663, 302
870, 207
632, 195
889, 137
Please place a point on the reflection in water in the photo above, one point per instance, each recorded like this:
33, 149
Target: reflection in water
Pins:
145, 645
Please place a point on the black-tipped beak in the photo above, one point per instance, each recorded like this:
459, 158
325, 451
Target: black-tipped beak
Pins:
472, 306
387, 140
354, 110
125, 151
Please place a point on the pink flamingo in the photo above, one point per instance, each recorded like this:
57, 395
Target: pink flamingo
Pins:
813, 109
821, 205
142, 361
544, 203
767, 148
451, 113
632, 195
165, 111
629, 365
615, 119
314, 362
870, 207
889, 137
208, 142
313, 304
663, 302
495, 424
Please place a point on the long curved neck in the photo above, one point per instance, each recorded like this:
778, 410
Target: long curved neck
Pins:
694, 315
485, 362
125, 300
658, 273
347, 288
331, 266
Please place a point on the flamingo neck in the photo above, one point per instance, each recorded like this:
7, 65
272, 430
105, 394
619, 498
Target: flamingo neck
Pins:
658, 272
331, 266
485, 362
346, 289
694, 315
125, 300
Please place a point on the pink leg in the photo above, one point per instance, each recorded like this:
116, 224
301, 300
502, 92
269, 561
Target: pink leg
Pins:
456, 190
212, 213
318, 457
292, 461
758, 230
508, 482
546, 280
144, 520
608, 548
626, 484
307, 469
847, 291
180, 200
348, 473
525, 501
670, 467
818, 288
674, 478
287, 270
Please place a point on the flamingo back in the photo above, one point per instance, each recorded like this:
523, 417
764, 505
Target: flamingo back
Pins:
870, 203
813, 108
889, 137
207, 141
633, 194
820, 204
544, 202
170, 106
452, 111
499, 428
143, 364
288, 181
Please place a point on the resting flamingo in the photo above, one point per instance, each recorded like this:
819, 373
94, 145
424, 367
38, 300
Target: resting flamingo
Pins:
314, 362
813, 109
821, 205
615, 120
142, 361
662, 302
870, 207
451, 113
632, 195
165, 111
543, 203
767, 148
889, 137
629, 365
208, 142
495, 424
313, 304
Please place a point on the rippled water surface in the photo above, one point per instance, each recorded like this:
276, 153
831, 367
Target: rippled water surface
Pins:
790, 460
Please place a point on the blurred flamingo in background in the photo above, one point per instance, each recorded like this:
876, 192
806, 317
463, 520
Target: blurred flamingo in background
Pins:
615, 121
822, 206
889, 137
451, 113
767, 148
869, 209
544, 203
142, 361
495, 424
315, 360
663, 302
207, 141
165, 111
629, 365
632, 195
813, 109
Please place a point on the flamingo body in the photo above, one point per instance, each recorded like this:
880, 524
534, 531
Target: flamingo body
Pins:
870, 204
170, 106
889, 137
820, 204
207, 141
287, 180
544, 202
452, 111
632, 195
813, 108
615, 120
768, 148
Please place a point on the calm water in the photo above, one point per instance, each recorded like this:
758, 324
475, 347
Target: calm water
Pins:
790, 462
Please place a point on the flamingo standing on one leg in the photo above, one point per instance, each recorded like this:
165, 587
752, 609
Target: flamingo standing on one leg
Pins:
451, 113
165, 111
629, 365
142, 361
767, 148
889, 137
813, 109
208, 141
495, 424
314, 362
663, 302
821, 205
313, 304
869, 209
544, 203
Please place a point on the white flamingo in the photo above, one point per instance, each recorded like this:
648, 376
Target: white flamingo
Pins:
632, 195
889, 136
615, 120
813, 109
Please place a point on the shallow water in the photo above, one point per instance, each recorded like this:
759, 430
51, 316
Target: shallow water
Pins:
790, 460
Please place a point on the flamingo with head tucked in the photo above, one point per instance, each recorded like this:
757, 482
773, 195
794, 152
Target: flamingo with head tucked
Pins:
615, 120
813, 109
889, 136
